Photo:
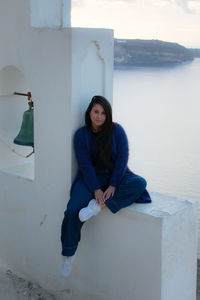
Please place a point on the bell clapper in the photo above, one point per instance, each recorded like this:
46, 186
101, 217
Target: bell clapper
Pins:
28, 155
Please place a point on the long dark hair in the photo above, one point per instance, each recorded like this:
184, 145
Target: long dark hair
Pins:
104, 136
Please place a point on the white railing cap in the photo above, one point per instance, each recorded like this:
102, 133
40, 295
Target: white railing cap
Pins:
163, 205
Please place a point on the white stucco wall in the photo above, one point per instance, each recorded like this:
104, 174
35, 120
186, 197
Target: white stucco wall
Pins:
31, 210
50, 13
118, 254
32, 205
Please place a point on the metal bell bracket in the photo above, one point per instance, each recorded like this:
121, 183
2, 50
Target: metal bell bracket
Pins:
30, 102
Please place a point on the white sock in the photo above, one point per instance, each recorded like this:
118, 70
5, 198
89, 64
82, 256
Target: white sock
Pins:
69, 258
67, 265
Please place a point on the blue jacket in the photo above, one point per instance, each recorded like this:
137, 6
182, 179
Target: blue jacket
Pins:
84, 146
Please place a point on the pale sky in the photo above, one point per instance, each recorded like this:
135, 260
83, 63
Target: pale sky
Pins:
167, 20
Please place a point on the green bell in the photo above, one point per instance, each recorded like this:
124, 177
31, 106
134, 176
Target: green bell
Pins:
26, 135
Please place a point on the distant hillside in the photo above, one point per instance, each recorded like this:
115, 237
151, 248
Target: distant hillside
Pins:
195, 52
149, 53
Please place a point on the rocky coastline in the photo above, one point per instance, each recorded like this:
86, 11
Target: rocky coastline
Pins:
144, 53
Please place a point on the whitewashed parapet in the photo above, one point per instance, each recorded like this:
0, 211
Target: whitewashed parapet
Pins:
144, 252
50, 13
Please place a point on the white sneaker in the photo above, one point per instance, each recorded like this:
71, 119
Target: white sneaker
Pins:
67, 265
89, 211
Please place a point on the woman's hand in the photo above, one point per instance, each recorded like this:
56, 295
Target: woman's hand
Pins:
99, 196
109, 192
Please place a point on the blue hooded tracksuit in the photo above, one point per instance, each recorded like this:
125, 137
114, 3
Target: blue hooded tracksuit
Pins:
129, 186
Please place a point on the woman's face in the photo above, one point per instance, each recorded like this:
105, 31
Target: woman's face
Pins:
97, 116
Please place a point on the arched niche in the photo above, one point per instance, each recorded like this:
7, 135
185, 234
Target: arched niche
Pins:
13, 157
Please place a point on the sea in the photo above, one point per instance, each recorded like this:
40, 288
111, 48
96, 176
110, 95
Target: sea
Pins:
159, 107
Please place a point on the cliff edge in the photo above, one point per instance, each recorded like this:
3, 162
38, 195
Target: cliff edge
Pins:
149, 53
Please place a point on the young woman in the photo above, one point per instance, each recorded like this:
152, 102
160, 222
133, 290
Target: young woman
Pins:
103, 178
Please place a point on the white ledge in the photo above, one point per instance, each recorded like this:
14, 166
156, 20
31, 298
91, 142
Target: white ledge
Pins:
25, 170
162, 205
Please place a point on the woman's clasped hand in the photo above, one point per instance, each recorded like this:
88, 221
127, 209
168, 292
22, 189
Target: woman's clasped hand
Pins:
101, 196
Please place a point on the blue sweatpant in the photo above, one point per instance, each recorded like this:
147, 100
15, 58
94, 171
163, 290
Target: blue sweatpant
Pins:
129, 190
